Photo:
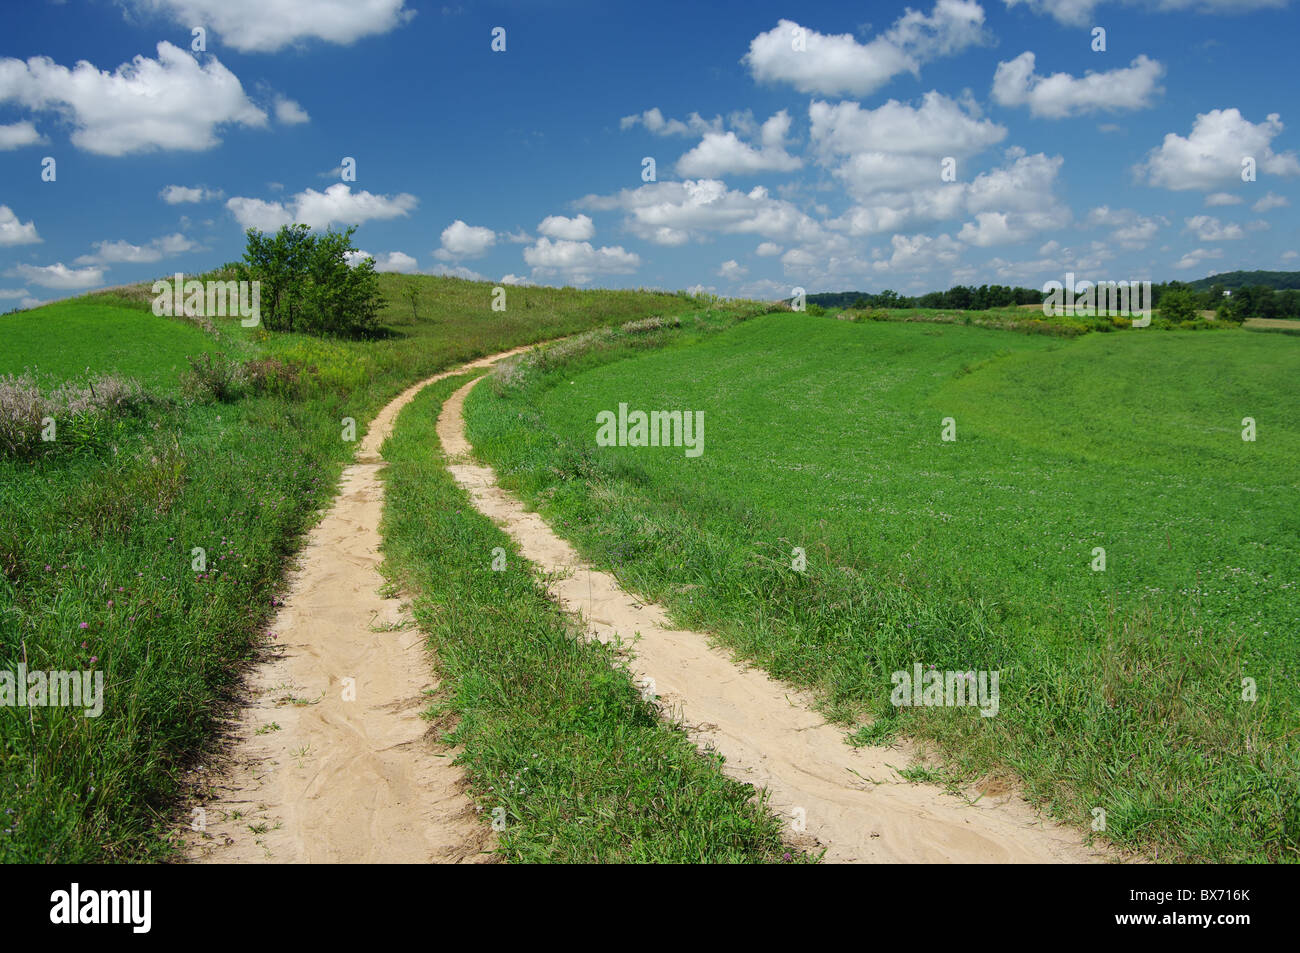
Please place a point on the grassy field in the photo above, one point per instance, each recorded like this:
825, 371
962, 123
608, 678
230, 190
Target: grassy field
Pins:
1122, 688
554, 728
99, 527
62, 341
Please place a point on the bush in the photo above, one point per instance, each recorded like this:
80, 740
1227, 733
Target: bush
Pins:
212, 377
82, 415
646, 325
1177, 305
268, 375
1228, 314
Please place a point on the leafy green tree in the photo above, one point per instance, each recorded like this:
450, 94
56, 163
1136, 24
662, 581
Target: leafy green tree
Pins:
308, 284
1177, 304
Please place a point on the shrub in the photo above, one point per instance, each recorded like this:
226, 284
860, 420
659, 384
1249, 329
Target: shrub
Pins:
22, 408
1177, 305
650, 324
83, 415
1228, 314
269, 375
212, 377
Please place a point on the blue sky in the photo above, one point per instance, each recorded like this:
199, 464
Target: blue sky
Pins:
794, 144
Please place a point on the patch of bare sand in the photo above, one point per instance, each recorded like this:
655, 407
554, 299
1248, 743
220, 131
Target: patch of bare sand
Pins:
322, 770
851, 801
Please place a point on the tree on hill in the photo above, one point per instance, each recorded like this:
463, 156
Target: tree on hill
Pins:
308, 284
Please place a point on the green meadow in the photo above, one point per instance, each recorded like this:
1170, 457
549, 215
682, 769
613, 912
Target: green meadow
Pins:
1160, 689
1122, 689
99, 527
553, 728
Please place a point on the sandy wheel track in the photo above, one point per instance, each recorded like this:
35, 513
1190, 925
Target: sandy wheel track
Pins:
342, 781
850, 800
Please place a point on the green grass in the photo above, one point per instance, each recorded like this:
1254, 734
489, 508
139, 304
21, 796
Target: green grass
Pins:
60, 341
1121, 689
554, 729
95, 543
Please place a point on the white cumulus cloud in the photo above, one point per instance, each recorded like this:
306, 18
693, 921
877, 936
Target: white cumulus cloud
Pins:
14, 232
181, 194
1060, 95
654, 122
263, 26
123, 252
579, 262
1081, 12
18, 134
338, 204
834, 64
1196, 257
388, 261
171, 103
1207, 228
460, 240
576, 229
672, 213
289, 113
1213, 154
722, 153
1219, 199
1270, 201
59, 276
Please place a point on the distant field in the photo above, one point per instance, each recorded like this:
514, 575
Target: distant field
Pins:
1280, 324
1123, 687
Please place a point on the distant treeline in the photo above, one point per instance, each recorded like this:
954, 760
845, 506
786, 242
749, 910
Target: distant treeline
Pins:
1232, 280
1248, 301
959, 298
1253, 294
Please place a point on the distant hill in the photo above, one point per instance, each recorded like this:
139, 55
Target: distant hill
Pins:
1277, 280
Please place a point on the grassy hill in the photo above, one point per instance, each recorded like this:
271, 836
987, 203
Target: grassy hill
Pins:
102, 525
1122, 686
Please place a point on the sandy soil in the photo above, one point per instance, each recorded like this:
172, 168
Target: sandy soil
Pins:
320, 769
851, 801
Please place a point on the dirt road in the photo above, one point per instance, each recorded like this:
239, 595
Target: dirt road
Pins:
331, 761
851, 801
